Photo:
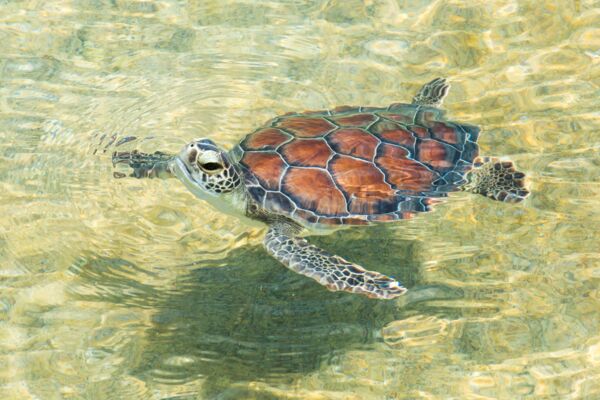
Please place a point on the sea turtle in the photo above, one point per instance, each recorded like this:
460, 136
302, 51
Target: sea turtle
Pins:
322, 170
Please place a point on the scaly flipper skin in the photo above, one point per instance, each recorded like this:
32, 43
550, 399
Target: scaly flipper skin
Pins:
432, 94
497, 180
329, 270
144, 165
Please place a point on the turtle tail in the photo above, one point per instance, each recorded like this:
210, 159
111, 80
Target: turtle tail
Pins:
498, 180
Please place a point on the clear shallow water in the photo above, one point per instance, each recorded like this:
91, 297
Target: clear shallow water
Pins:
135, 289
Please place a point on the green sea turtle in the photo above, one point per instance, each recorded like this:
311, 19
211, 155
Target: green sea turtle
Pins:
310, 171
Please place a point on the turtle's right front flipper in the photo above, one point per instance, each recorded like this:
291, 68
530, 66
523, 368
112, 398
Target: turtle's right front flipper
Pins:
329, 270
144, 165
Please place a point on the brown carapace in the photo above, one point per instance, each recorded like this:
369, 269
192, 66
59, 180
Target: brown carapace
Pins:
354, 165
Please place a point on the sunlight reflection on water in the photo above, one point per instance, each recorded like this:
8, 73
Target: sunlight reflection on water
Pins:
135, 289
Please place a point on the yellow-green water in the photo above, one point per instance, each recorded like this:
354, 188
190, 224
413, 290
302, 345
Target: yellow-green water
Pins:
133, 289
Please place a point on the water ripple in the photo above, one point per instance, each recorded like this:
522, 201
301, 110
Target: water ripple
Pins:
136, 289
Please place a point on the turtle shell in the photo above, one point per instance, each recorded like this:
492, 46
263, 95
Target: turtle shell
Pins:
355, 165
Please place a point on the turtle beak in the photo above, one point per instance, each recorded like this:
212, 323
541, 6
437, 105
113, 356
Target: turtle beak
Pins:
189, 154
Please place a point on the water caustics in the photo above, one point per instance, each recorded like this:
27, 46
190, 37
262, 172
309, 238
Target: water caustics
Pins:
126, 288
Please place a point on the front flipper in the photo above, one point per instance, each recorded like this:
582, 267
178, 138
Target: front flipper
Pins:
144, 165
329, 270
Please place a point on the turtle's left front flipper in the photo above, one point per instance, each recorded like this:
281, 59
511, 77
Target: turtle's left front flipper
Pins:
144, 165
329, 270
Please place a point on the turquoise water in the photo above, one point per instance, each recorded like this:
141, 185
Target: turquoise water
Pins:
134, 289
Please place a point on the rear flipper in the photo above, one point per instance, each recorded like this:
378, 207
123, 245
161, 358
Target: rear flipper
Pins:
144, 165
432, 94
497, 180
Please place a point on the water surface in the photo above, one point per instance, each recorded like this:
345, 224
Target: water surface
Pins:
134, 289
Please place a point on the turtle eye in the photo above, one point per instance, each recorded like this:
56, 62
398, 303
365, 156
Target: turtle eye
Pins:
210, 167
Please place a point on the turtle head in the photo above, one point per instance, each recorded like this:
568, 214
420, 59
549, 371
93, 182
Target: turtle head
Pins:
206, 169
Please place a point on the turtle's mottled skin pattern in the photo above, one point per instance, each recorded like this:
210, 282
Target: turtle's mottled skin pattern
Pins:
497, 180
329, 270
353, 166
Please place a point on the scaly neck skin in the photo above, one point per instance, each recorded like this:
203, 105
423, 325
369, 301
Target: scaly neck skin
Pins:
232, 203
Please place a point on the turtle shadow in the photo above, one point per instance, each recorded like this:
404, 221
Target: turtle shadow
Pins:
247, 318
